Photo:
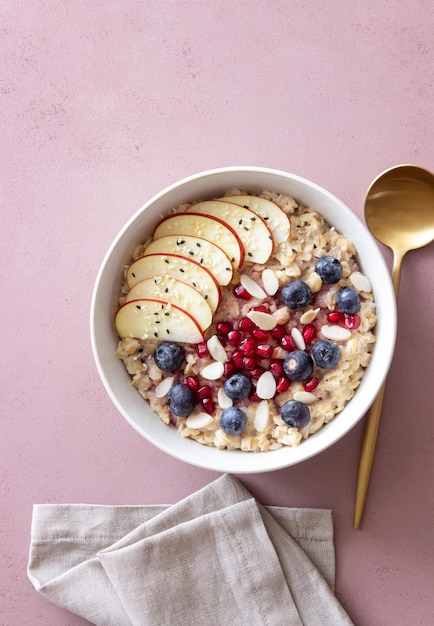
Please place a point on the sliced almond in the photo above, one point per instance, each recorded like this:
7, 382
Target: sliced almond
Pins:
163, 388
262, 414
252, 287
264, 321
309, 316
266, 386
298, 339
213, 371
335, 333
216, 349
198, 420
306, 397
224, 400
361, 282
270, 281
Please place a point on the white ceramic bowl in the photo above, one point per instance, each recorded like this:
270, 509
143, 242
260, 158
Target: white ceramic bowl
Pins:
105, 296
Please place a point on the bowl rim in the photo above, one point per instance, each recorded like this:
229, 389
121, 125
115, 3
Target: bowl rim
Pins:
236, 461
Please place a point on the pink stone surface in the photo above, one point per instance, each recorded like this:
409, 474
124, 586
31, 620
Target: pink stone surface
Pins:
105, 103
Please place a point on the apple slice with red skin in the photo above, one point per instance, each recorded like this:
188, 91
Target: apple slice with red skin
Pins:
255, 236
208, 227
157, 319
275, 217
180, 268
201, 250
176, 292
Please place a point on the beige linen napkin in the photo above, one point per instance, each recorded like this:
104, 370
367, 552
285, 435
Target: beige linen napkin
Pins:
217, 557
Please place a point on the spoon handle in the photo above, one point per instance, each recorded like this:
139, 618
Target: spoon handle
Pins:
373, 421
367, 455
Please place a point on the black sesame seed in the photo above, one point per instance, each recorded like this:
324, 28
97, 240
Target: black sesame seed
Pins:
166, 261
133, 275
181, 270
249, 254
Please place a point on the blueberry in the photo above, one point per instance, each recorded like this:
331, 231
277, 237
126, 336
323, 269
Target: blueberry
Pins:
329, 270
295, 413
296, 294
298, 365
348, 300
238, 386
168, 356
233, 421
181, 400
326, 354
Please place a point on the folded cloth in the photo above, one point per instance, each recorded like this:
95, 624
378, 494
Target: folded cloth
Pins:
217, 557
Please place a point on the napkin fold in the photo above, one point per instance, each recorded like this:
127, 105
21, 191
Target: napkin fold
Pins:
217, 557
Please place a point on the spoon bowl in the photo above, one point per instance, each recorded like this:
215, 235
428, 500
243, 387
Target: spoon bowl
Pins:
399, 212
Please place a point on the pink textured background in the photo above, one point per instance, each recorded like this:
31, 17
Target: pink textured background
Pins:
103, 104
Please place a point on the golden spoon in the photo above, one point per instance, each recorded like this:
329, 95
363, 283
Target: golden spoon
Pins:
399, 212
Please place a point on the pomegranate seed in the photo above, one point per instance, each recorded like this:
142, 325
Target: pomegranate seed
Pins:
204, 392
335, 317
223, 329
309, 333
237, 358
208, 405
278, 332
282, 384
286, 342
245, 325
352, 322
311, 384
241, 292
229, 368
264, 350
202, 349
276, 368
247, 346
260, 334
192, 382
249, 362
261, 307
234, 338
254, 397
256, 372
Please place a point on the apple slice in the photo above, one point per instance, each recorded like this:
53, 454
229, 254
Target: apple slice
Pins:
207, 227
175, 266
157, 319
201, 250
276, 219
175, 292
250, 227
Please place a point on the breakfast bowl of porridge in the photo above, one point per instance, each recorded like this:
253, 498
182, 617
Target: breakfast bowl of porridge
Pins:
243, 320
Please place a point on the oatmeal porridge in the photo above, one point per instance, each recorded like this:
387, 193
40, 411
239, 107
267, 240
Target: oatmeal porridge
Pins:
246, 321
